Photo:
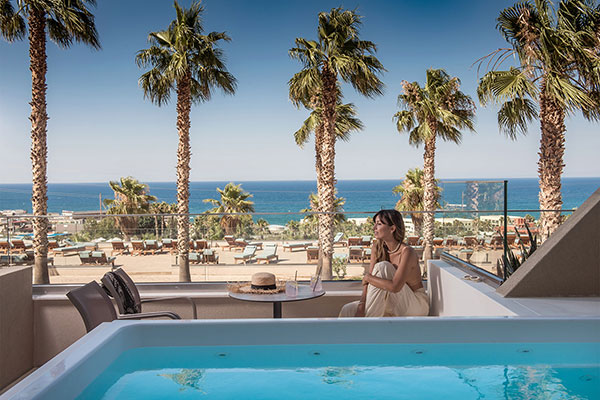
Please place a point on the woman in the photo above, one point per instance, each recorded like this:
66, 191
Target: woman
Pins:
393, 286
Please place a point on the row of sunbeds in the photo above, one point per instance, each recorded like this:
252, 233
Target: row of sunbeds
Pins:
249, 254
13, 246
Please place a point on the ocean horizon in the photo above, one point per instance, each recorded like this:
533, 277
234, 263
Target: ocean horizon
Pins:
362, 196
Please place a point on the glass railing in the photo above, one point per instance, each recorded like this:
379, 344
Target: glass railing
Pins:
232, 247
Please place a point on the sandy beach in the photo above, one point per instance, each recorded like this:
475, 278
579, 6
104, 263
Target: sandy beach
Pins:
163, 267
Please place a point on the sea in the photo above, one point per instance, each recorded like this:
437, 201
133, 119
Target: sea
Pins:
281, 201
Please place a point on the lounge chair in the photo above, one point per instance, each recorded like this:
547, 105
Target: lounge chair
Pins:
354, 241
230, 242
291, 246
19, 246
137, 247
246, 255
99, 257
170, 245
69, 250
355, 253
242, 243
119, 248
194, 257
152, 246
412, 240
367, 255
365, 241
210, 256
201, 244
268, 254
95, 307
5, 247
111, 281
312, 254
471, 241
451, 241
52, 244
14, 259
338, 239
438, 241
85, 257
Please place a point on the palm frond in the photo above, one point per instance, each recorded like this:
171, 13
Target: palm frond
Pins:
12, 24
514, 115
569, 95
499, 86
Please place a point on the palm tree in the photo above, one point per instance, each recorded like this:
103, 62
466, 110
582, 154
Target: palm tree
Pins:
439, 109
66, 21
557, 55
188, 62
233, 200
313, 199
159, 221
411, 197
338, 53
131, 197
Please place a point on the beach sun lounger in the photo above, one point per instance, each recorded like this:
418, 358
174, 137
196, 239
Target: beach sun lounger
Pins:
312, 254
354, 241
201, 244
70, 250
210, 256
355, 253
412, 240
195, 258
170, 245
152, 246
294, 246
242, 243
365, 241
268, 254
5, 246
99, 258
246, 255
119, 248
230, 242
337, 239
137, 247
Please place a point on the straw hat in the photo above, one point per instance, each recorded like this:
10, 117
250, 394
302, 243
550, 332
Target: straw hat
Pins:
261, 283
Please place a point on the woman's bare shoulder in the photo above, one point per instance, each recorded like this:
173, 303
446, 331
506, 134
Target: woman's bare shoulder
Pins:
406, 249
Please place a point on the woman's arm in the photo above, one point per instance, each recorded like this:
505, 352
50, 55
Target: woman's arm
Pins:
407, 258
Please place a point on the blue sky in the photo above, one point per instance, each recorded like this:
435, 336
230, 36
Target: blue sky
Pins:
102, 128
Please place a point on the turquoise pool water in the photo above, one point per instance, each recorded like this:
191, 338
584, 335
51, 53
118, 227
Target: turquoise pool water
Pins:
354, 371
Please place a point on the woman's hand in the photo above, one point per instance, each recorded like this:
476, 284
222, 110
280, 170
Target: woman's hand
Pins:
366, 279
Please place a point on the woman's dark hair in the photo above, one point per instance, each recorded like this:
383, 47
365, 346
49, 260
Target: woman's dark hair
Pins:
391, 218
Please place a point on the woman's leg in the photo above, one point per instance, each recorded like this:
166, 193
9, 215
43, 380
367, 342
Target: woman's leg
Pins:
349, 310
408, 303
377, 299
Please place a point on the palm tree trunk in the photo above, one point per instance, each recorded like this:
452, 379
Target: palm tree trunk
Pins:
429, 196
156, 226
550, 164
39, 151
183, 176
327, 194
319, 168
417, 220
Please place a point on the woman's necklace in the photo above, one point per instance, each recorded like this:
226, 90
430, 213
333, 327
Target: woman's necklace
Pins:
396, 249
